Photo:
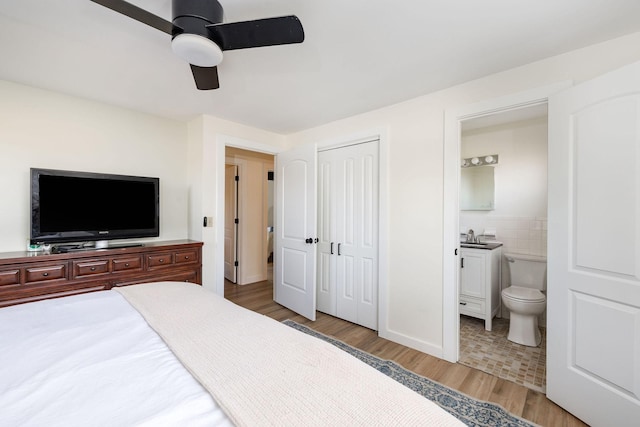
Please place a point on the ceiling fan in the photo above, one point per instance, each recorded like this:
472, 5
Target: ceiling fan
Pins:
198, 35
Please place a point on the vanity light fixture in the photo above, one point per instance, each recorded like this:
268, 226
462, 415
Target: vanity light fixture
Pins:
491, 159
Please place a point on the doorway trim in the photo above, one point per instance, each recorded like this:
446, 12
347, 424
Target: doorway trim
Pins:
451, 210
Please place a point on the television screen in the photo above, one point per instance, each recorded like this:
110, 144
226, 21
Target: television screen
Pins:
81, 206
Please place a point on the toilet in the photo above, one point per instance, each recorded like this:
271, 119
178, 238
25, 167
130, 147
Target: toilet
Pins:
524, 297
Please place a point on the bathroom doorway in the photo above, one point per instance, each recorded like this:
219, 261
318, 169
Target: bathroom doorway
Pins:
510, 209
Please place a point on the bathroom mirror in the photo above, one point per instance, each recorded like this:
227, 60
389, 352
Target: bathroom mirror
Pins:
477, 188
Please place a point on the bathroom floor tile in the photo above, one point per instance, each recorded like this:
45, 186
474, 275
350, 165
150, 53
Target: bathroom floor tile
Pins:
493, 353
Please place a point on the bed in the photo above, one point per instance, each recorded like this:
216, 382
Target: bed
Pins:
172, 353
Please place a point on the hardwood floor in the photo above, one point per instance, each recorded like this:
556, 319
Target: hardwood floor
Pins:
517, 399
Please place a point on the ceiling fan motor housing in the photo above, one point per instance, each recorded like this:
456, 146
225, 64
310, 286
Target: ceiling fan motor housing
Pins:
192, 16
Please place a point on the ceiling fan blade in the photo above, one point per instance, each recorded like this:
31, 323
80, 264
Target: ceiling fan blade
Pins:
206, 77
134, 12
257, 33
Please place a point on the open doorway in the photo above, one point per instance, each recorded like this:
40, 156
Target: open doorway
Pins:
508, 214
451, 210
248, 204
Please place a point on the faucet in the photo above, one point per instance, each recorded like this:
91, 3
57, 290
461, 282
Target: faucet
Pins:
471, 238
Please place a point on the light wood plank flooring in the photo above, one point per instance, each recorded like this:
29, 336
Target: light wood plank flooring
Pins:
517, 399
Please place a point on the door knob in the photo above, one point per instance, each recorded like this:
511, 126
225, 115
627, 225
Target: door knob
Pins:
309, 240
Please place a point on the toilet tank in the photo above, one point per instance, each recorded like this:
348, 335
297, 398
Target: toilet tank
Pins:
527, 271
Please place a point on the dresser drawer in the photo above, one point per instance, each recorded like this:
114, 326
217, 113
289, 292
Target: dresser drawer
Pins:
160, 260
10, 277
186, 257
184, 276
127, 264
472, 306
45, 273
90, 267
187, 276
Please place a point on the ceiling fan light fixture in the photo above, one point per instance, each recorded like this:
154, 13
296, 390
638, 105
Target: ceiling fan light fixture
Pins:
197, 50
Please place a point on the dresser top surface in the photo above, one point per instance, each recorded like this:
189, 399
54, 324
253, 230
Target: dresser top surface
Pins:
27, 256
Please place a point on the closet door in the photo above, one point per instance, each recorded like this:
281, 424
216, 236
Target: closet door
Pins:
357, 234
326, 283
348, 233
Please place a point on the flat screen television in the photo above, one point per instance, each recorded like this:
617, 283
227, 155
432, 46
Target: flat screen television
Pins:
71, 206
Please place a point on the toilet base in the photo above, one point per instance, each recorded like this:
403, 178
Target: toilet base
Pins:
523, 329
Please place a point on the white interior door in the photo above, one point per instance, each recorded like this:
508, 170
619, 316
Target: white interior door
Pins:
295, 246
230, 225
593, 359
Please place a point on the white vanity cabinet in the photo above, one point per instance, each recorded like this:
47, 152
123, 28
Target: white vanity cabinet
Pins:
480, 273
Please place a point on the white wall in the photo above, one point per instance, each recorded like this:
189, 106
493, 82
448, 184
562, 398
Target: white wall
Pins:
48, 130
414, 299
520, 214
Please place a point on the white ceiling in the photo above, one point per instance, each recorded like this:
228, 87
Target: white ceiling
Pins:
358, 55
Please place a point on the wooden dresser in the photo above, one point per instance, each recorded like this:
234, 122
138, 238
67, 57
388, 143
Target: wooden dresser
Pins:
26, 276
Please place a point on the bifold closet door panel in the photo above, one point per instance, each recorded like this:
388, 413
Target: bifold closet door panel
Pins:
326, 298
357, 232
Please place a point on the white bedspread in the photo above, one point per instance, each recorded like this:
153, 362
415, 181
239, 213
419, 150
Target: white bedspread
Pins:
91, 360
262, 372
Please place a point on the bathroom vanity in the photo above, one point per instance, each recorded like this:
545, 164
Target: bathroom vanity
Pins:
480, 276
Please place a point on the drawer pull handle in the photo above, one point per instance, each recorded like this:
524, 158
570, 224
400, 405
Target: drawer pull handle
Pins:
45, 274
92, 269
186, 257
126, 264
161, 260
463, 303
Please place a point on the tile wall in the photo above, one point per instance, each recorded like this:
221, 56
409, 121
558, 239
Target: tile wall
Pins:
525, 235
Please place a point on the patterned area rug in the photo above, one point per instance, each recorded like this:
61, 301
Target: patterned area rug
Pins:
470, 411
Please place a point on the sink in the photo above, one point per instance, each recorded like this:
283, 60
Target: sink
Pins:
473, 245
487, 245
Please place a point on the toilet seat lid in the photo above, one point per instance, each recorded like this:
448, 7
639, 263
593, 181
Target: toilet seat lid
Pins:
524, 294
